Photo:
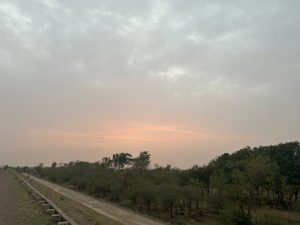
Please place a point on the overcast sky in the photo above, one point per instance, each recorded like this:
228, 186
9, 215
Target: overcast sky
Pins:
185, 79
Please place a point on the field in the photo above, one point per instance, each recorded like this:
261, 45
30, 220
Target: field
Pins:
16, 206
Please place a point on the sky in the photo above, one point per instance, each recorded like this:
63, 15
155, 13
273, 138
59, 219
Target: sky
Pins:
186, 80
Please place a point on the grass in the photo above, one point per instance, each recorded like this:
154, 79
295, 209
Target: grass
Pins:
267, 216
78, 212
31, 213
264, 216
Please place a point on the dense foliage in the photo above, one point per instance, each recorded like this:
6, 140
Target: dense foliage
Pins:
232, 186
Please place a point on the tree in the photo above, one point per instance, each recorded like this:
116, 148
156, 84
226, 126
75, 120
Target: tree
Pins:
39, 168
203, 174
142, 161
190, 194
169, 195
146, 191
106, 162
53, 165
233, 185
120, 160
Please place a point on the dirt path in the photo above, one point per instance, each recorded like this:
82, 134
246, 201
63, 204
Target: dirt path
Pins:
16, 206
125, 216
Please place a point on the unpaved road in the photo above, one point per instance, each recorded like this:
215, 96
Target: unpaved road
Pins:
125, 216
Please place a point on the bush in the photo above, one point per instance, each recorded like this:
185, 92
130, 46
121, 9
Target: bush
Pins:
225, 216
231, 215
241, 218
217, 201
269, 218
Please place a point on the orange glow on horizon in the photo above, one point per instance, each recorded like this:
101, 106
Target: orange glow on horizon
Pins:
131, 134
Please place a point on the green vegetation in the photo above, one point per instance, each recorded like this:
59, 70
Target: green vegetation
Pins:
30, 211
251, 186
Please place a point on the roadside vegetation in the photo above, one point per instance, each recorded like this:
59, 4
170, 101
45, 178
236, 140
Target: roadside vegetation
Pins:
251, 186
30, 211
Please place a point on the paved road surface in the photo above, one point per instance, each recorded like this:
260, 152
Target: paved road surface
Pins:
125, 216
8, 200
16, 206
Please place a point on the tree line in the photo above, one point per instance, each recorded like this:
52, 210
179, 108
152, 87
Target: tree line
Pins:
233, 188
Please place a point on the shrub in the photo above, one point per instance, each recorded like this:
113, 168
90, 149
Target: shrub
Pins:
225, 216
268, 218
241, 218
234, 216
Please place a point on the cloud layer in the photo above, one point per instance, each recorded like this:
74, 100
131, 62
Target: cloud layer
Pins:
203, 76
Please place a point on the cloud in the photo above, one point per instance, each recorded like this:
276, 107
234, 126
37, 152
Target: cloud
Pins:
218, 67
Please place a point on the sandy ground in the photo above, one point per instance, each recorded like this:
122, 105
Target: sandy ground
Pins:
125, 216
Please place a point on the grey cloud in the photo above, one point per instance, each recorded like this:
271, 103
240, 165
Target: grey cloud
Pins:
218, 66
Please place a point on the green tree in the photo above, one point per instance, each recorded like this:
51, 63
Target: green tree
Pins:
169, 195
106, 162
190, 194
53, 165
142, 161
120, 160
